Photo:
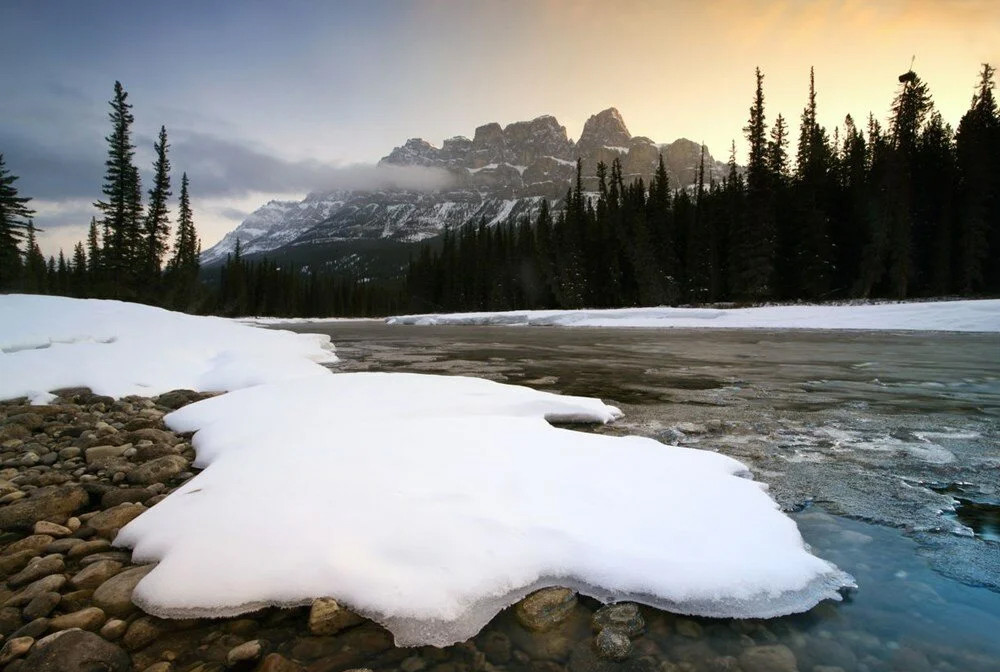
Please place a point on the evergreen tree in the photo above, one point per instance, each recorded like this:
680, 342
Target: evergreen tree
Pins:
14, 222
93, 251
121, 210
157, 225
35, 269
755, 240
978, 221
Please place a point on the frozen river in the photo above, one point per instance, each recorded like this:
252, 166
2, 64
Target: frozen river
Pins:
885, 446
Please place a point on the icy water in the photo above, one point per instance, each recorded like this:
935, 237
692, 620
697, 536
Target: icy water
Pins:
885, 448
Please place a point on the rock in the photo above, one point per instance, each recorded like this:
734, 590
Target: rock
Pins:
57, 503
34, 542
51, 529
613, 644
114, 629
107, 523
829, 652
154, 435
96, 573
41, 605
48, 584
114, 596
545, 608
244, 652
275, 662
77, 651
688, 628
104, 454
624, 617
36, 569
62, 545
88, 548
15, 648
496, 646
113, 498
76, 600
177, 398
35, 628
770, 658
157, 471
15, 562
142, 632
162, 666
10, 620
327, 617
90, 618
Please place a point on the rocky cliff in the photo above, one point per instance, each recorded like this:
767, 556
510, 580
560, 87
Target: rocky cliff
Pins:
503, 172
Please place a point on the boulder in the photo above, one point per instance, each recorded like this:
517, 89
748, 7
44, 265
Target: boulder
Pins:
43, 504
546, 608
114, 596
76, 651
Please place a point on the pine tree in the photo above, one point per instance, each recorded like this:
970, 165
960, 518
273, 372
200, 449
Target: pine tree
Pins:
121, 210
756, 239
910, 110
157, 226
93, 251
35, 269
14, 220
977, 144
183, 267
78, 277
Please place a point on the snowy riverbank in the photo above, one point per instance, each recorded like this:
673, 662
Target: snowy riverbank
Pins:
425, 502
921, 316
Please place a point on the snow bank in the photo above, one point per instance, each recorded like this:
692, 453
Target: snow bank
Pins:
429, 503
118, 349
923, 316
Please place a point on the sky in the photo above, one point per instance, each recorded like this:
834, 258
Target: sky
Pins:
265, 100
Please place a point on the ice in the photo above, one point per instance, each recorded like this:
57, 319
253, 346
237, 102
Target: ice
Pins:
118, 349
981, 315
428, 503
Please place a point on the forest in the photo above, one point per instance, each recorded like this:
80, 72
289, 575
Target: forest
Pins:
908, 210
903, 211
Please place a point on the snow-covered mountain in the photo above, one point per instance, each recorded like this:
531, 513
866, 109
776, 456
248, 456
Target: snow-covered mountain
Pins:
502, 173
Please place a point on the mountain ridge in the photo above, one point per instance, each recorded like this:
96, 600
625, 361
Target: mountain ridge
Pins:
501, 173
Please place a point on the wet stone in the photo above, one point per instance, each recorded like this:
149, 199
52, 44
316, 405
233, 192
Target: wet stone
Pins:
624, 617
245, 652
613, 644
36, 569
327, 617
15, 648
114, 596
90, 618
770, 658
546, 608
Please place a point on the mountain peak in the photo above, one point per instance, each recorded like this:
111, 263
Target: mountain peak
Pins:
604, 129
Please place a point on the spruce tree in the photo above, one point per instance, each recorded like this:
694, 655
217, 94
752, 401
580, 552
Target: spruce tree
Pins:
977, 144
34, 263
121, 210
14, 221
156, 226
756, 239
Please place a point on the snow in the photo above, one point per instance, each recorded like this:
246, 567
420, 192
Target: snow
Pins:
980, 316
429, 503
119, 349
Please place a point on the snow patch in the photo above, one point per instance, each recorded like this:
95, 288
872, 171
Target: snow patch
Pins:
982, 316
429, 503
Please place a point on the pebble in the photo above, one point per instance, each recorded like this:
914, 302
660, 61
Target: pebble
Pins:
623, 616
327, 617
15, 648
613, 644
90, 618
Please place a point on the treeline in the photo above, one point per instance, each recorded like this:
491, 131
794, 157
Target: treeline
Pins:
261, 287
912, 209
126, 252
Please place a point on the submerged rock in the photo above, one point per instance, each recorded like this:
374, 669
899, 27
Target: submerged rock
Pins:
613, 644
546, 608
624, 617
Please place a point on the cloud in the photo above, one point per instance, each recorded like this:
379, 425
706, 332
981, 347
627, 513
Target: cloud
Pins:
221, 167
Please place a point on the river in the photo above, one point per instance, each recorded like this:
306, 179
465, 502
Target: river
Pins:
884, 447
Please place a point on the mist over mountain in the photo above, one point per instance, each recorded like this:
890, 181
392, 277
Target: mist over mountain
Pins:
417, 190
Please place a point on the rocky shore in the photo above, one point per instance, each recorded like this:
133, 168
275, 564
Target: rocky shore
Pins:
73, 472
